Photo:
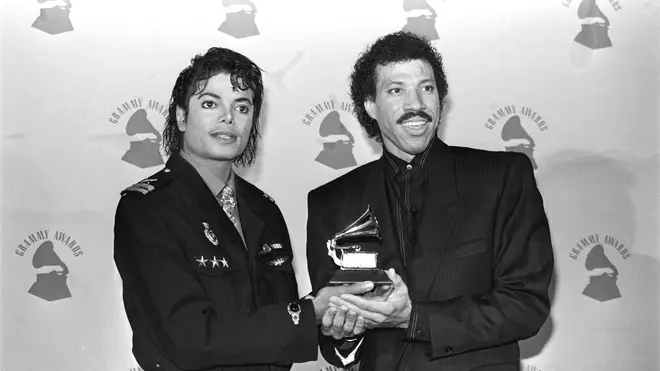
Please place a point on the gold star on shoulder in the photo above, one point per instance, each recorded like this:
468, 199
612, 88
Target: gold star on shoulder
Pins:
224, 262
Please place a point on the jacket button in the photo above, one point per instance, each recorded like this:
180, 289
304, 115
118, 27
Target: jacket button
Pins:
448, 350
419, 332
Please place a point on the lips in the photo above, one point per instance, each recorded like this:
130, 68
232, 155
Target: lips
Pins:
415, 126
415, 123
224, 135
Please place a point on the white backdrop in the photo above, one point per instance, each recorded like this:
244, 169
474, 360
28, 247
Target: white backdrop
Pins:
69, 76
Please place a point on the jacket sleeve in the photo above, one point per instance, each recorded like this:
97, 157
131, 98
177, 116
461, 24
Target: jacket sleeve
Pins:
178, 314
321, 267
519, 303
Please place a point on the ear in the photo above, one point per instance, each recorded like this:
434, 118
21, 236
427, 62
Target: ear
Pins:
180, 119
370, 107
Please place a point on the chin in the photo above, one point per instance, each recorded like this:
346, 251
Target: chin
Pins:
224, 156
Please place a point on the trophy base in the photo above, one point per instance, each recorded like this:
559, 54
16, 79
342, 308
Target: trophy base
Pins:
350, 276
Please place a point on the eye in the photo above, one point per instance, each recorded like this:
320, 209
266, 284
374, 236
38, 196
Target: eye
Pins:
429, 88
209, 104
244, 109
395, 91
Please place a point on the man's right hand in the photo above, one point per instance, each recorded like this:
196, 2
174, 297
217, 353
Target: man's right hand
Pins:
341, 323
322, 299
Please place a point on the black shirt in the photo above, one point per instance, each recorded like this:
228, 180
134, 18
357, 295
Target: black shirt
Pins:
406, 185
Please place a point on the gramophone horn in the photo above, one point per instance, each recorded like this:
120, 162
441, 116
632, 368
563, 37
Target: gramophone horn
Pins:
46, 256
365, 227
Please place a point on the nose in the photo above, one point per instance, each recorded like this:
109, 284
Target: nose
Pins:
226, 116
414, 101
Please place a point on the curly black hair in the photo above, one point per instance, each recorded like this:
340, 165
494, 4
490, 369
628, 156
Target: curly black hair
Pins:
244, 74
393, 48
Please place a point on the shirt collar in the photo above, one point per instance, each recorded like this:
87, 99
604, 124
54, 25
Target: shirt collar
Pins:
215, 184
396, 164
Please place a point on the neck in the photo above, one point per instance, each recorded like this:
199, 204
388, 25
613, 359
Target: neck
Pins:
398, 152
220, 169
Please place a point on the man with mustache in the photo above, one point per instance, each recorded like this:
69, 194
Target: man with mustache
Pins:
465, 238
205, 256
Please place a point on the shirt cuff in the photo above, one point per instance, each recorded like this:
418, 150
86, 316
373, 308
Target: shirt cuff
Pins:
418, 325
350, 358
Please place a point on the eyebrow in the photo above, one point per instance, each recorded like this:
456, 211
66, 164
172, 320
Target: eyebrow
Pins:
211, 94
241, 100
244, 100
397, 82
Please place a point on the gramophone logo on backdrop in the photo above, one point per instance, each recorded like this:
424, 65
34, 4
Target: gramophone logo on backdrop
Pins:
338, 142
601, 251
420, 19
517, 123
51, 271
53, 16
594, 24
139, 116
240, 20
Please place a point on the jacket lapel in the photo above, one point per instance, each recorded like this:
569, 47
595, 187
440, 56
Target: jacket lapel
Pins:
249, 211
201, 197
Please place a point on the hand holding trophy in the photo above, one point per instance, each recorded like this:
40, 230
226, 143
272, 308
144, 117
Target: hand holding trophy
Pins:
354, 264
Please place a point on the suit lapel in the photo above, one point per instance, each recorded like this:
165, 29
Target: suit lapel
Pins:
249, 211
438, 218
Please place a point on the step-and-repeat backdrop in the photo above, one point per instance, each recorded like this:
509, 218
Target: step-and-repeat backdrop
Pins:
574, 84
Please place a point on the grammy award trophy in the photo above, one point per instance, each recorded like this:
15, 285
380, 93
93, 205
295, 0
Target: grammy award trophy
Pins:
354, 264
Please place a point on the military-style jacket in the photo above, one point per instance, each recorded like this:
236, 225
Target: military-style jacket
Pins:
195, 296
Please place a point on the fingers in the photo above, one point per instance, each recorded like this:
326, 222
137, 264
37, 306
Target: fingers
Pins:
364, 304
369, 324
375, 316
385, 291
357, 288
326, 321
396, 279
349, 324
338, 323
359, 324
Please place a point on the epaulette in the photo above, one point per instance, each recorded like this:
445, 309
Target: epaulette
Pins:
268, 197
149, 184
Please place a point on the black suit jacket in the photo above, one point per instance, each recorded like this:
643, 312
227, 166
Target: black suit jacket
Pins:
479, 275
189, 315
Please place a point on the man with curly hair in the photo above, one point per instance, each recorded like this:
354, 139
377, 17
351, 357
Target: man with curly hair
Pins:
465, 238
205, 256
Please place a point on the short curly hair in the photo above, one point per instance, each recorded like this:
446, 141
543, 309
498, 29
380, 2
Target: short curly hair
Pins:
393, 48
244, 74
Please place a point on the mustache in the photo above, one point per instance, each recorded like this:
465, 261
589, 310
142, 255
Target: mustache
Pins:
412, 114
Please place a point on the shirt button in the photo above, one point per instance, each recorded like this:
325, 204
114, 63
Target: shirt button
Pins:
409, 167
448, 350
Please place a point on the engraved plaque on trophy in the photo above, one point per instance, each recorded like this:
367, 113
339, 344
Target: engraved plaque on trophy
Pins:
354, 264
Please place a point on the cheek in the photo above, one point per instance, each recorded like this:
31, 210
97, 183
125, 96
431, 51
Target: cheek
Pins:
246, 125
433, 103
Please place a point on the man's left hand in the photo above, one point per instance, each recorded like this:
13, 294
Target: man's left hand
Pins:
393, 311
